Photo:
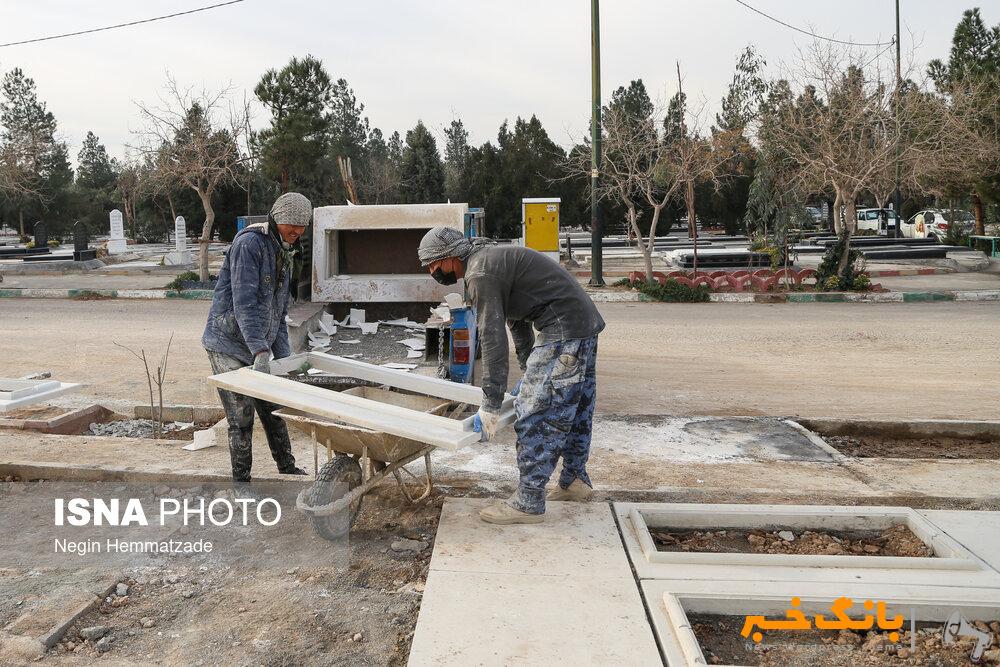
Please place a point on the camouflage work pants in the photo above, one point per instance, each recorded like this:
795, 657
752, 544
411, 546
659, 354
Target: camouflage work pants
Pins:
555, 411
239, 413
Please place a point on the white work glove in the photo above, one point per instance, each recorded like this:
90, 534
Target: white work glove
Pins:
486, 423
262, 362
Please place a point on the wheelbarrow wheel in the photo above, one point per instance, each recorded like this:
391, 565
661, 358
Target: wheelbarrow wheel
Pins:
335, 479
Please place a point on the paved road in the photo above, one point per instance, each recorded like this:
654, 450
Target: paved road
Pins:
894, 360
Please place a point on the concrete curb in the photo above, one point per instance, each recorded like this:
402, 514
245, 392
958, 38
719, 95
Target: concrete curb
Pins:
38, 293
811, 297
598, 296
887, 273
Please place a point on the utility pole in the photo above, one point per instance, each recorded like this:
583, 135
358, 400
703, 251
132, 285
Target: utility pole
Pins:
596, 232
898, 203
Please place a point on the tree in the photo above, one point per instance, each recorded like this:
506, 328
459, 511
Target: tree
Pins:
34, 162
380, 177
975, 57
299, 97
456, 160
740, 107
194, 143
96, 179
841, 132
422, 167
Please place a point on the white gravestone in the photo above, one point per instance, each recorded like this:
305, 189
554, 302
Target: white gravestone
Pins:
117, 244
180, 256
180, 234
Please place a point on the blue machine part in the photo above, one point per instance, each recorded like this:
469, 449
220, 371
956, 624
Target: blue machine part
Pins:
462, 357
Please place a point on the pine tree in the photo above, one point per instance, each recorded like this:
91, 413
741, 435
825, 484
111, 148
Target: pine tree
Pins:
96, 177
456, 158
299, 97
422, 169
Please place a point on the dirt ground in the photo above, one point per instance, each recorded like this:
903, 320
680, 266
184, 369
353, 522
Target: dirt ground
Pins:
896, 541
359, 612
869, 360
722, 643
923, 448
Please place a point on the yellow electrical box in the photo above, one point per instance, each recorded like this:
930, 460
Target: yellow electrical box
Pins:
540, 219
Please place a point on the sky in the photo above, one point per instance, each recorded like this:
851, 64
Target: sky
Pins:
479, 60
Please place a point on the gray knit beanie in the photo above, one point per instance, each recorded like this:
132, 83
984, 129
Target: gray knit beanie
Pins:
292, 208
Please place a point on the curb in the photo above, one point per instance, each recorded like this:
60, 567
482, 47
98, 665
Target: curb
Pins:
39, 293
811, 297
598, 296
887, 273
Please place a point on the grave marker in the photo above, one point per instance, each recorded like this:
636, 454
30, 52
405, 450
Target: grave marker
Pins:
180, 255
117, 244
41, 236
81, 242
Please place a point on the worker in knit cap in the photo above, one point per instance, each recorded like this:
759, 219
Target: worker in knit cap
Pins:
246, 325
516, 287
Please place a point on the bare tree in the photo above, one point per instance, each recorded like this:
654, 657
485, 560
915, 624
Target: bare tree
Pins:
841, 132
157, 378
194, 142
646, 167
130, 186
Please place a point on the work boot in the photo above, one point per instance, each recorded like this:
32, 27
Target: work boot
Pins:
504, 514
294, 470
578, 491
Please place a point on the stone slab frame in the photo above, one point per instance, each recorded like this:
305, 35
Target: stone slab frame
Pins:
331, 284
953, 563
670, 601
440, 431
28, 392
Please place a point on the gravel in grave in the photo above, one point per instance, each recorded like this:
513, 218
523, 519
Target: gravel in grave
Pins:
378, 348
722, 644
915, 448
895, 541
142, 428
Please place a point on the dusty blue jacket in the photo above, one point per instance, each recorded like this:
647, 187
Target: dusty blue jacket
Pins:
250, 301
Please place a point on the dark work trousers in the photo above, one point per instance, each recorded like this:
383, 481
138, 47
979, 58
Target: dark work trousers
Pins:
239, 413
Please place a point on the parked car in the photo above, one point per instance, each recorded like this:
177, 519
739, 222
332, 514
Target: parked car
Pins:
934, 223
880, 220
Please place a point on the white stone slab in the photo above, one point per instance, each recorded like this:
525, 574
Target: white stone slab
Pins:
954, 564
500, 619
583, 535
979, 532
38, 397
560, 592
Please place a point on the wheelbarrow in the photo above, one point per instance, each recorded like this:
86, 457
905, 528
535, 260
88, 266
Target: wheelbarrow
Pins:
358, 459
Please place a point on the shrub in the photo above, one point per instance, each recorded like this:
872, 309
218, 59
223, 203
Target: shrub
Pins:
862, 283
673, 291
827, 270
831, 284
54, 243
623, 282
178, 282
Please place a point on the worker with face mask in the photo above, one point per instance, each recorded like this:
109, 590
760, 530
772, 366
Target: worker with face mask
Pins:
516, 287
246, 325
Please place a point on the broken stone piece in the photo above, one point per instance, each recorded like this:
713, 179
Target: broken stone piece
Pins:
787, 535
94, 632
408, 545
121, 590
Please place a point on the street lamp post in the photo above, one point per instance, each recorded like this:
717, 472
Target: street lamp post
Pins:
596, 259
898, 203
